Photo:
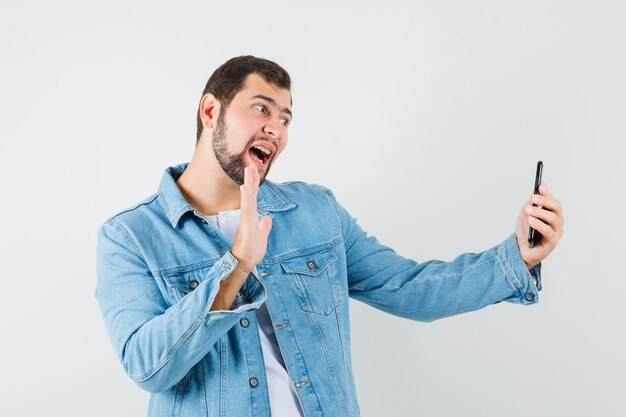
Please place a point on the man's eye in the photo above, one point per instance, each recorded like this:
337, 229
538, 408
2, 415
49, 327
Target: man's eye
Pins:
260, 107
284, 122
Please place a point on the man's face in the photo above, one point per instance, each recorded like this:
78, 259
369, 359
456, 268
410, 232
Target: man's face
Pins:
253, 129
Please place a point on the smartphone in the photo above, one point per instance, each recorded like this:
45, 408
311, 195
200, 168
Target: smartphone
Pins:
533, 235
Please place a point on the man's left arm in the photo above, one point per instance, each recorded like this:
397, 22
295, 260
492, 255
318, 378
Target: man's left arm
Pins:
430, 290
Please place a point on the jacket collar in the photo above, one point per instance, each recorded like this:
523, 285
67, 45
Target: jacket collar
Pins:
269, 198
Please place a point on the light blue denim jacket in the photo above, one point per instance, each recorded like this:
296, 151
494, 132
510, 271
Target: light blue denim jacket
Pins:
160, 264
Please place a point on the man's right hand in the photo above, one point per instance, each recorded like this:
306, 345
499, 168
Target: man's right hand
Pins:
251, 237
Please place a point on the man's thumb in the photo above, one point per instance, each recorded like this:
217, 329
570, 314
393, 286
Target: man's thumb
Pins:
265, 226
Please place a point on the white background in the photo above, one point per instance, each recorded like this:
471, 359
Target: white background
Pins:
425, 118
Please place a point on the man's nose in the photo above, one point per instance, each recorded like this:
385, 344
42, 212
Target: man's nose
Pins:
273, 128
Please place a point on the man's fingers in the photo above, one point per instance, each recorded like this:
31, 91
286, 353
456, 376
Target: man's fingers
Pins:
246, 176
254, 186
546, 216
265, 226
255, 178
243, 189
548, 203
543, 189
541, 227
244, 199
248, 194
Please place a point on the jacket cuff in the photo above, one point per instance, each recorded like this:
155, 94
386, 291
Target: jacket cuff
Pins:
245, 301
527, 283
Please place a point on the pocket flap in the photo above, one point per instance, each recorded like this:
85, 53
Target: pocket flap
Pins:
311, 264
187, 278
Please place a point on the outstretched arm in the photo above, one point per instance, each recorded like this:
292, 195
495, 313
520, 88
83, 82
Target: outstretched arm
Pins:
426, 291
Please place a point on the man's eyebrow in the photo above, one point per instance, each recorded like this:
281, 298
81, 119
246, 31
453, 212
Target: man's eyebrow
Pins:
273, 103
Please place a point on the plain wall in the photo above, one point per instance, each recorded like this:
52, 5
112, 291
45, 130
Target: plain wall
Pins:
426, 118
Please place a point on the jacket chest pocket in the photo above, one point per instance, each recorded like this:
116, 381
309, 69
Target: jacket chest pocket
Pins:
183, 281
312, 277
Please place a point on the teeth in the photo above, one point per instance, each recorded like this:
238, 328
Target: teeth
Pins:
262, 149
255, 157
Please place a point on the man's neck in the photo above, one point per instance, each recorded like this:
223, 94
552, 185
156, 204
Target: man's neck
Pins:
205, 186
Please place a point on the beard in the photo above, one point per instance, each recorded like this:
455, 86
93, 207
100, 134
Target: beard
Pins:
233, 164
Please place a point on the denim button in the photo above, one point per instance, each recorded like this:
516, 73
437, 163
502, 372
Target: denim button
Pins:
244, 322
193, 284
203, 221
311, 265
300, 384
529, 296
254, 382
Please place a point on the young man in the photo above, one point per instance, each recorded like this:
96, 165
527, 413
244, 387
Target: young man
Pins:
225, 294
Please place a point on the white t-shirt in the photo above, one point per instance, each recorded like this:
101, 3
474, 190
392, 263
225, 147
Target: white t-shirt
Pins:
283, 399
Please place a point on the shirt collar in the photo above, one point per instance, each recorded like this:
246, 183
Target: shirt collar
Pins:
269, 198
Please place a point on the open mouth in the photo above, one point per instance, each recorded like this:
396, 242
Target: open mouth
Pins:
260, 155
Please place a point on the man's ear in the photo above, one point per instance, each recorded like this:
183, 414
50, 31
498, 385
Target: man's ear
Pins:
210, 108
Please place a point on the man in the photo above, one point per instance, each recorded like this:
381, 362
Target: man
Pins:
226, 294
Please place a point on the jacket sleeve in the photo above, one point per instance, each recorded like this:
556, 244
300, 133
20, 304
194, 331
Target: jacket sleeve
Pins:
158, 344
434, 289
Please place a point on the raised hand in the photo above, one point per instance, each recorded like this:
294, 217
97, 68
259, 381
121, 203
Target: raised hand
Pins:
251, 238
547, 219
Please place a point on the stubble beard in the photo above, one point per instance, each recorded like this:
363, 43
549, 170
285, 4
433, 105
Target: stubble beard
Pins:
232, 164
